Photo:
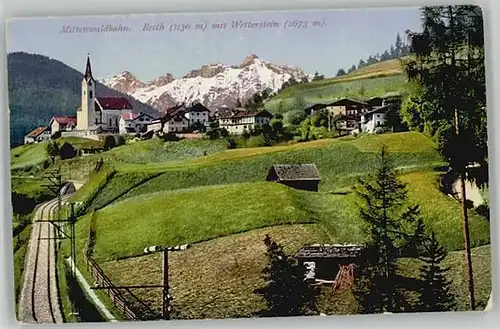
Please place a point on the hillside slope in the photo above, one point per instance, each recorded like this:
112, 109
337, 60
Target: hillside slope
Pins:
40, 87
237, 177
373, 80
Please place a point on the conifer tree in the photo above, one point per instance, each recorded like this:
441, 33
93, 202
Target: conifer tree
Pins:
286, 292
394, 231
448, 68
435, 294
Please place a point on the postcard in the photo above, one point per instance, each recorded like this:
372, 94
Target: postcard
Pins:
249, 164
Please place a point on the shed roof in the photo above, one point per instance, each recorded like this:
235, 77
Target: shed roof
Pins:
293, 172
330, 251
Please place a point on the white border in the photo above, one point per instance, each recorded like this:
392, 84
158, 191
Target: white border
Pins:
30, 8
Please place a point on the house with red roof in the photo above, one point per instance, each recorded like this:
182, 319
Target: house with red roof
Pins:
99, 113
37, 135
62, 123
132, 123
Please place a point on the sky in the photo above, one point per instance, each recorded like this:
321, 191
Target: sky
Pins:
345, 37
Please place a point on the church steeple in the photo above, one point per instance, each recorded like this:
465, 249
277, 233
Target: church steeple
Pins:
88, 70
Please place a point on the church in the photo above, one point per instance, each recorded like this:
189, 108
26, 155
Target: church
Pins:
99, 114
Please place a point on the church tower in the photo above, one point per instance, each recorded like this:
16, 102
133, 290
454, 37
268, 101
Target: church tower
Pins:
86, 116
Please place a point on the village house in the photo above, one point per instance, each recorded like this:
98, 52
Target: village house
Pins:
62, 123
132, 123
155, 125
176, 121
297, 176
197, 113
374, 119
99, 114
37, 135
332, 264
238, 121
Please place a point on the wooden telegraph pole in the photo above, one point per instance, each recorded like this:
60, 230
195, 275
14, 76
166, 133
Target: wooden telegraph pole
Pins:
465, 217
166, 297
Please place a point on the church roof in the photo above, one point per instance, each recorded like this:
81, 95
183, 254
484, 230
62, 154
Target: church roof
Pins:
113, 103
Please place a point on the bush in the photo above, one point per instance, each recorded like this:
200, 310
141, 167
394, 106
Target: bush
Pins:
231, 143
170, 137
119, 140
256, 141
294, 117
109, 142
56, 135
67, 151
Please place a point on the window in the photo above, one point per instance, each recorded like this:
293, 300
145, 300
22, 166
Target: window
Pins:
116, 122
90, 93
96, 120
110, 123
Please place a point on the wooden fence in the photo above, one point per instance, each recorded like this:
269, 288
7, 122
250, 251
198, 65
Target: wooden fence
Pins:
114, 294
101, 280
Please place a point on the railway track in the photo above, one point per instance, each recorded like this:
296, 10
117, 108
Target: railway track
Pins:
39, 300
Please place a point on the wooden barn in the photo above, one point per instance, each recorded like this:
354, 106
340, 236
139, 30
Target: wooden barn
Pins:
330, 263
299, 176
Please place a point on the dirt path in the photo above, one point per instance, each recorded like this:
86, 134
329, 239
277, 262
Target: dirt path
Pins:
39, 300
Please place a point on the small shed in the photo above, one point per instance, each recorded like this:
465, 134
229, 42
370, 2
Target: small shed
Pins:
328, 259
299, 176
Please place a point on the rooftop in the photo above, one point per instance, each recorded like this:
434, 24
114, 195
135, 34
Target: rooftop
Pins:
37, 131
288, 172
330, 251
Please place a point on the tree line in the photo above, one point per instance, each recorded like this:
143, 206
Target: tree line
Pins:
397, 50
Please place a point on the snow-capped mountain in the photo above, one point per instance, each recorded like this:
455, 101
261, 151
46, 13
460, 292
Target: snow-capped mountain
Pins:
214, 85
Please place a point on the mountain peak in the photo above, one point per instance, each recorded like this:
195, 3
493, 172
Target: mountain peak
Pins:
214, 84
249, 60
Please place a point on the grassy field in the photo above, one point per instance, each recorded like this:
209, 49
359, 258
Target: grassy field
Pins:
174, 196
179, 217
204, 288
34, 154
214, 278
340, 162
20, 245
157, 193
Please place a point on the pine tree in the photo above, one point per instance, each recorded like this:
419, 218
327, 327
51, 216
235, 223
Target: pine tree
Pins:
435, 294
398, 46
286, 292
361, 63
340, 73
392, 53
448, 67
394, 231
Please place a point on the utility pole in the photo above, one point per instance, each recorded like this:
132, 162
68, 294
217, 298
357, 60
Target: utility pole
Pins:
166, 297
465, 217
